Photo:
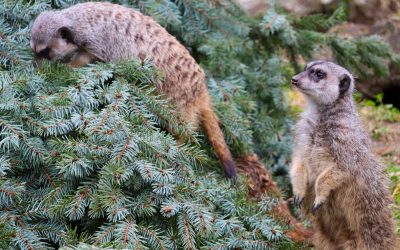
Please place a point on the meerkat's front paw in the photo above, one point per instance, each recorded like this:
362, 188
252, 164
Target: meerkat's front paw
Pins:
299, 185
315, 207
298, 194
298, 200
299, 191
318, 202
298, 176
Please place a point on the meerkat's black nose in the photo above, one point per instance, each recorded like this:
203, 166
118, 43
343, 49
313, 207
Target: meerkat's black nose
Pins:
295, 81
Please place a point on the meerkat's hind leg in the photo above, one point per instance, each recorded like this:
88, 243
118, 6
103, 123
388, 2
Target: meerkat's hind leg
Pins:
374, 236
352, 245
322, 242
326, 182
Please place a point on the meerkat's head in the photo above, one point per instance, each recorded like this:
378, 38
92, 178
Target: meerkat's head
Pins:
324, 82
52, 38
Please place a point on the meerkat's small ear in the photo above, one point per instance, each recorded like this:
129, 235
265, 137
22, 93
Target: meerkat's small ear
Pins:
344, 83
66, 34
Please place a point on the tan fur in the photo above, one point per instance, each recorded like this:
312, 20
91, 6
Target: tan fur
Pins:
106, 32
336, 179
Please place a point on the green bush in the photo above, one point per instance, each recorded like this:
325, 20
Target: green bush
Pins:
85, 155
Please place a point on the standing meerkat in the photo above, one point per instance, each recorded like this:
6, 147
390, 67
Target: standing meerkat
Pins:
335, 177
106, 32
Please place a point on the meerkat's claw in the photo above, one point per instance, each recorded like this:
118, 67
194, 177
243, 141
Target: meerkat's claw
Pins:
298, 201
315, 207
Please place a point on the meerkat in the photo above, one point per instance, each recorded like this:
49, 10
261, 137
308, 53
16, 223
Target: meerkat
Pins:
106, 32
337, 181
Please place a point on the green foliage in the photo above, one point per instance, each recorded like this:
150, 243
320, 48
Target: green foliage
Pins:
382, 112
89, 156
321, 22
92, 155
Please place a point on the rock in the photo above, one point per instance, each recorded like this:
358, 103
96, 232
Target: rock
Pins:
372, 11
307, 7
389, 30
253, 7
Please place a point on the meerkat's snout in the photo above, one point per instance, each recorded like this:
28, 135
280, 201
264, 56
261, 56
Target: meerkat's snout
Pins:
38, 53
40, 56
295, 81
298, 80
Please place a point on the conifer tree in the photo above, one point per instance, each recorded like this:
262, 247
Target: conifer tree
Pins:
89, 155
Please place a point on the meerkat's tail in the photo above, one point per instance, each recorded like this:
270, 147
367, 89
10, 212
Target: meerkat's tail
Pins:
211, 126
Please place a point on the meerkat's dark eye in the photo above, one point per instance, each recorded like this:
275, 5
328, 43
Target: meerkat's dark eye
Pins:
320, 74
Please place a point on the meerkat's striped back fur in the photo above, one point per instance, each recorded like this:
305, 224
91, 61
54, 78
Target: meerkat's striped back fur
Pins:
91, 31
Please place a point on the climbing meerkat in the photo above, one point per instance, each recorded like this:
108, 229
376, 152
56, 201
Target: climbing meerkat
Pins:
90, 32
336, 179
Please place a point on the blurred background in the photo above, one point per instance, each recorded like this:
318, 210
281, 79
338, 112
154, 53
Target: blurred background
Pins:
365, 17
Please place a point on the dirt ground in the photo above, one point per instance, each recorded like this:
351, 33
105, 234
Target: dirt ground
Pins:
385, 134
